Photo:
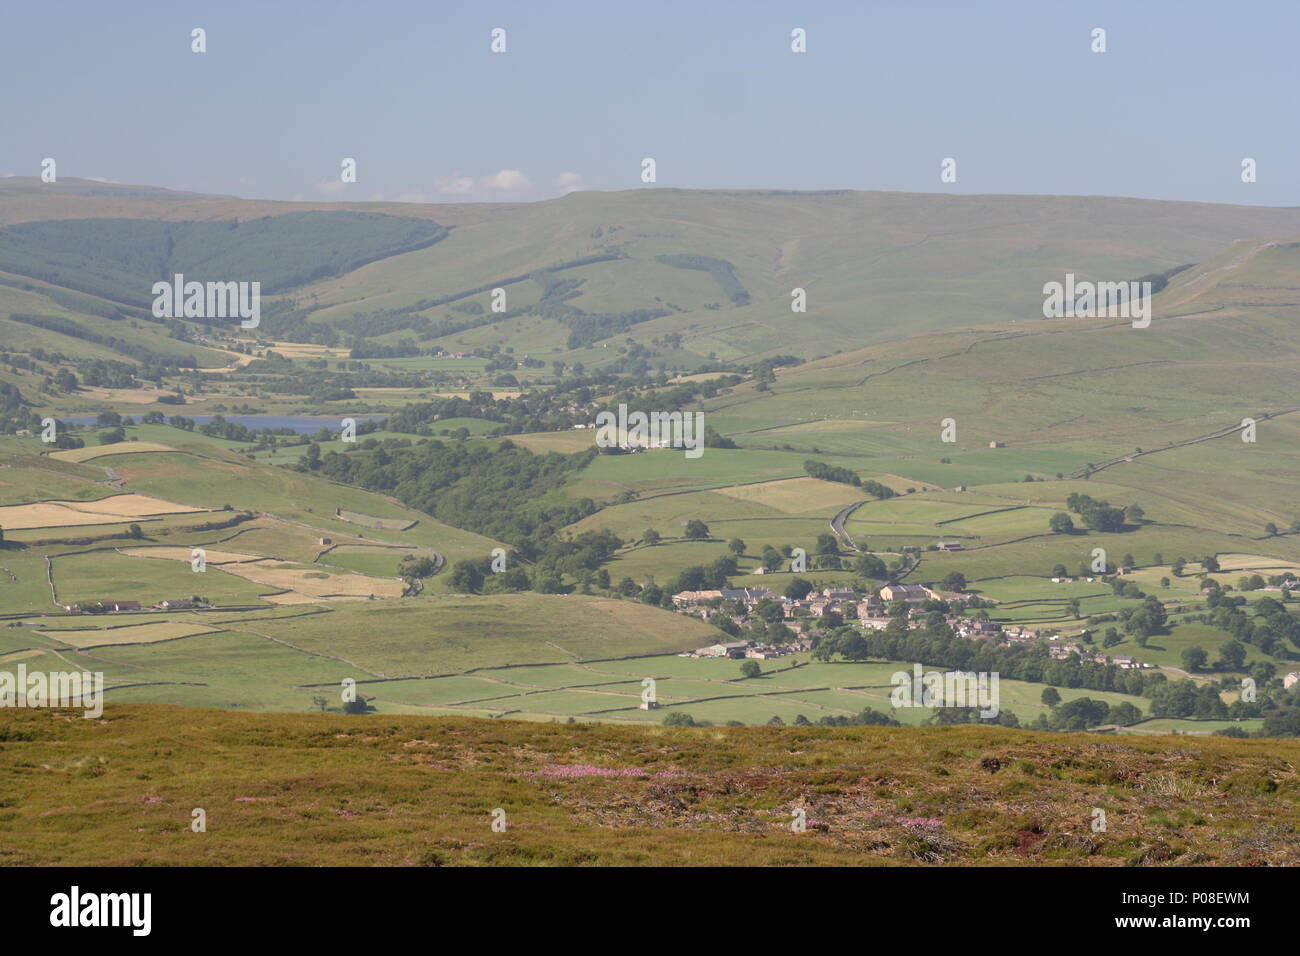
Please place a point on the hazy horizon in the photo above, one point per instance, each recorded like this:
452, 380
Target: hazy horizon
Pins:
583, 93
715, 190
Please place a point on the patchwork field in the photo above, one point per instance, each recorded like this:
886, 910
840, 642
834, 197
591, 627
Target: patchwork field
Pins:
127, 634
712, 690
309, 580
91, 452
110, 510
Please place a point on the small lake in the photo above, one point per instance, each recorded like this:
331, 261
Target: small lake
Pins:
302, 424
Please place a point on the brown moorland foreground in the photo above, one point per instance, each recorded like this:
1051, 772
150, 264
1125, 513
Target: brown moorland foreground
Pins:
333, 790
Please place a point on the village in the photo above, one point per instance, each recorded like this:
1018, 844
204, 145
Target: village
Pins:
870, 611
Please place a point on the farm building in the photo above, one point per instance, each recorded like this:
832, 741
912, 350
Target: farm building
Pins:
120, 605
690, 598
733, 649
906, 592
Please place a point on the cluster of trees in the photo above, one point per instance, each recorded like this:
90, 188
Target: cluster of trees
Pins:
580, 557
1099, 515
233, 431
106, 257
1084, 712
414, 566
722, 271
499, 492
1266, 624
1185, 698
15, 414
865, 718
106, 373
1144, 620
825, 472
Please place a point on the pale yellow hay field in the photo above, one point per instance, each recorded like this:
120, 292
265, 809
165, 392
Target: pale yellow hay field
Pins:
49, 515
797, 495
135, 506
318, 582
697, 377
63, 514
900, 484
313, 582
134, 634
183, 554
99, 451
495, 394
308, 350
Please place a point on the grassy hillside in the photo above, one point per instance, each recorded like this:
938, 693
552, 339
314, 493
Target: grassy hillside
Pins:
323, 790
861, 256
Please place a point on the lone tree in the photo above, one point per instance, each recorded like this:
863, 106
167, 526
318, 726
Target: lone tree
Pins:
736, 546
870, 566
955, 581
1051, 697
651, 536
750, 669
697, 530
416, 566
1061, 523
798, 589
1194, 658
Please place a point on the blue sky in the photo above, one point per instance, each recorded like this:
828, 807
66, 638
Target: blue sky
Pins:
711, 90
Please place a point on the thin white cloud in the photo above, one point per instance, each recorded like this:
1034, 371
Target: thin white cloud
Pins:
454, 185
568, 181
506, 181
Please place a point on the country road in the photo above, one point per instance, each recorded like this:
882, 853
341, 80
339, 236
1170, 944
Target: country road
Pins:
837, 523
